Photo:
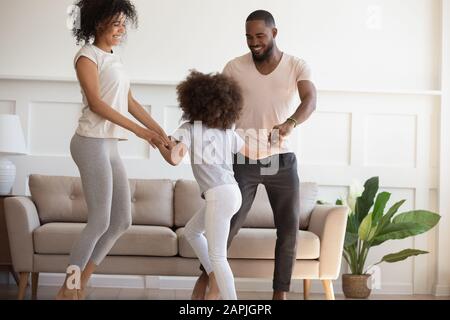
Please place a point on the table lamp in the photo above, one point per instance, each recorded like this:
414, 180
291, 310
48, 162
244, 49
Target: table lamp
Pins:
12, 142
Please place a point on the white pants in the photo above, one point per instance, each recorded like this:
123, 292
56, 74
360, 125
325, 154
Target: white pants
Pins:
207, 233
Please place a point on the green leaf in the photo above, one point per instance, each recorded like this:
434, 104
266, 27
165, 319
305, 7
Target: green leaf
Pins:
365, 201
426, 218
339, 202
350, 239
365, 228
380, 205
351, 224
401, 255
386, 219
398, 231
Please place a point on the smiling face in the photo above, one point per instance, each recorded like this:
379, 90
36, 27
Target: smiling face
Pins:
112, 30
260, 39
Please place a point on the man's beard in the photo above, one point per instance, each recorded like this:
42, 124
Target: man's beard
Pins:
266, 55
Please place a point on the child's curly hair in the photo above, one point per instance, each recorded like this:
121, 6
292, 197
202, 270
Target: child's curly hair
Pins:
93, 13
214, 99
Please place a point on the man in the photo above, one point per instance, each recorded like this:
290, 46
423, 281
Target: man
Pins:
270, 81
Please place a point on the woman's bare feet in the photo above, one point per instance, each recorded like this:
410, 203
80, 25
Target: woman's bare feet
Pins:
213, 292
69, 289
81, 294
201, 284
67, 294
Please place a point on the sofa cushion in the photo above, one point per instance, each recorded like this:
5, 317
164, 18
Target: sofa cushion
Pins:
255, 243
61, 199
188, 201
58, 238
152, 202
58, 198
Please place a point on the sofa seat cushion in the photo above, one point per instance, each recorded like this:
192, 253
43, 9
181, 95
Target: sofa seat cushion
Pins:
254, 243
58, 238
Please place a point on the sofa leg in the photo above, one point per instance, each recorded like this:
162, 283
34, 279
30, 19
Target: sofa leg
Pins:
306, 288
328, 287
34, 285
23, 283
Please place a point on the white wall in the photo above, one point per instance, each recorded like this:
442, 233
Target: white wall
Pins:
343, 40
380, 97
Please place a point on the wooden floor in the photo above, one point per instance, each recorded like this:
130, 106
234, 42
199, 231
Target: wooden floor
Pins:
9, 292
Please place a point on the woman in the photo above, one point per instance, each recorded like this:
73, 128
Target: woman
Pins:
106, 98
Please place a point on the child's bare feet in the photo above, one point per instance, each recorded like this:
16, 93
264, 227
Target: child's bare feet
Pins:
200, 287
213, 292
279, 295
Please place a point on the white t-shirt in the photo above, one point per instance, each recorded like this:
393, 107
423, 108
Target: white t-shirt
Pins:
268, 99
211, 152
114, 88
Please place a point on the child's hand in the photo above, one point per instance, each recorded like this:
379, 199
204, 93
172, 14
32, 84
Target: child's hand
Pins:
174, 152
172, 143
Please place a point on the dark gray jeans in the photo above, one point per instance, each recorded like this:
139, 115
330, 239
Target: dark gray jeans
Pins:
283, 192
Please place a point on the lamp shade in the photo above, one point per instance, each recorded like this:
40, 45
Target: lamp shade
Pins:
12, 140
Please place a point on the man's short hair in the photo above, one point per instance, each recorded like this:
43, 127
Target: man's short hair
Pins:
262, 15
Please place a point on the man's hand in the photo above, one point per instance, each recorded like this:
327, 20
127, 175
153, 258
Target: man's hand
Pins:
280, 132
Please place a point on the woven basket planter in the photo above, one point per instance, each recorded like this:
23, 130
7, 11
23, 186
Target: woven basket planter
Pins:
355, 286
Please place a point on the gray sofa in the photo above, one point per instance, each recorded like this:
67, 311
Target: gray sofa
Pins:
43, 227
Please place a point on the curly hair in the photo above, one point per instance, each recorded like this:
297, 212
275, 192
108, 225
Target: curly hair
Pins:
214, 99
94, 13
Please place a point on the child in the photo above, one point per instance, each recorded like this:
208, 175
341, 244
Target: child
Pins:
211, 104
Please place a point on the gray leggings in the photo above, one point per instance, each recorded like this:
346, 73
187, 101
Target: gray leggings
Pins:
107, 193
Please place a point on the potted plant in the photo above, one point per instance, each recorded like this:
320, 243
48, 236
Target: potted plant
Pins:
369, 225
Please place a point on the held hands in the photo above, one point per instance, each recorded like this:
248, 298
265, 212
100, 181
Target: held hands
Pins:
169, 146
174, 152
153, 138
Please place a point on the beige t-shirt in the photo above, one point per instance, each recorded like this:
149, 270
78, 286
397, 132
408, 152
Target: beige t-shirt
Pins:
268, 99
114, 88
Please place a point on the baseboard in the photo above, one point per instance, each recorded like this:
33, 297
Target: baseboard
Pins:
440, 290
186, 283
99, 280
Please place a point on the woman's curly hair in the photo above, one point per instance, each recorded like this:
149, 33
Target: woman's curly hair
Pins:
214, 99
92, 14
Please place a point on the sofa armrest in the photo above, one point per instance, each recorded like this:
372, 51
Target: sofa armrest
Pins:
21, 220
329, 224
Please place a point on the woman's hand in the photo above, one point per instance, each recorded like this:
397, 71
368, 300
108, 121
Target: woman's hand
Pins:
151, 137
167, 142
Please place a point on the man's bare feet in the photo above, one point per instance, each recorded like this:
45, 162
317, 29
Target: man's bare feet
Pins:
213, 292
201, 284
279, 295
